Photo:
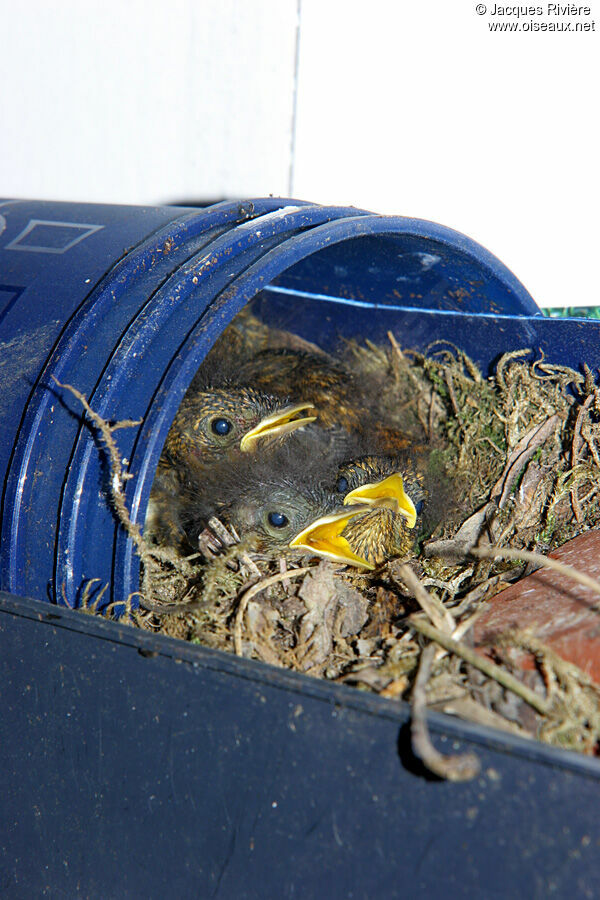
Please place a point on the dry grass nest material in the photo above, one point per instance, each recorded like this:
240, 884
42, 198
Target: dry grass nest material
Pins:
523, 445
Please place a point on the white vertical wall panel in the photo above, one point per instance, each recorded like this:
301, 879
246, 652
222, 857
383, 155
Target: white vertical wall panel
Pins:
419, 109
412, 108
138, 101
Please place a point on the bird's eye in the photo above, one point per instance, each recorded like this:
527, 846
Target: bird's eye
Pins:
277, 519
342, 485
221, 426
419, 507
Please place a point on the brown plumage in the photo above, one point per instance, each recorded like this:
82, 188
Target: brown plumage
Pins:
310, 377
213, 426
215, 422
344, 401
270, 396
300, 498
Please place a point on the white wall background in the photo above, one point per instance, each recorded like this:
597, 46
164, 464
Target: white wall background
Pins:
414, 108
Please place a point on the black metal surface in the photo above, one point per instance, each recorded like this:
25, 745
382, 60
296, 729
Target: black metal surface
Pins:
133, 765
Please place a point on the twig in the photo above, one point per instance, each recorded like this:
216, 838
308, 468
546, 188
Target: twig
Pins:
575, 505
478, 594
577, 440
540, 559
401, 358
589, 439
86, 602
456, 767
576, 445
144, 549
503, 362
116, 467
396, 357
466, 624
487, 440
397, 350
435, 609
167, 609
480, 662
450, 386
252, 592
467, 708
590, 493
520, 456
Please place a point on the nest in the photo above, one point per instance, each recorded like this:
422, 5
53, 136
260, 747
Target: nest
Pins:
522, 445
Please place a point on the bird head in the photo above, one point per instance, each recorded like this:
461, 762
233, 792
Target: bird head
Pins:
382, 482
277, 500
283, 517
392, 492
212, 423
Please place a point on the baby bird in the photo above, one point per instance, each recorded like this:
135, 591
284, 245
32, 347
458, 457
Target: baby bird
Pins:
213, 426
393, 490
280, 504
287, 519
214, 422
391, 486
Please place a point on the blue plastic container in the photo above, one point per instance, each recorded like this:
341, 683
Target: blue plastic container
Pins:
135, 765
125, 302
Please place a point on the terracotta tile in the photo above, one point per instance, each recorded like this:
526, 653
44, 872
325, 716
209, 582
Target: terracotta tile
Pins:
555, 606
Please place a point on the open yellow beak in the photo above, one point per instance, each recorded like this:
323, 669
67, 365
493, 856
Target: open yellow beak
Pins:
280, 423
324, 538
389, 492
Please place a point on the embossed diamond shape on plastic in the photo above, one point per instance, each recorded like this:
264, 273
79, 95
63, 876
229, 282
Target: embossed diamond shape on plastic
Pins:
40, 236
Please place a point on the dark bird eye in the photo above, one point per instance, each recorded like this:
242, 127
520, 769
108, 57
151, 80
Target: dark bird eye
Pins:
342, 485
220, 426
419, 507
278, 520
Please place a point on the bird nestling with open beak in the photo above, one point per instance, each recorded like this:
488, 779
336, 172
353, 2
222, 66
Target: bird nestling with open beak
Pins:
393, 491
356, 472
215, 422
277, 501
221, 458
